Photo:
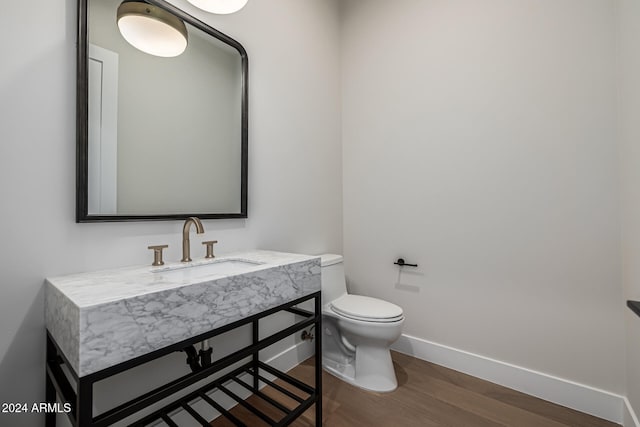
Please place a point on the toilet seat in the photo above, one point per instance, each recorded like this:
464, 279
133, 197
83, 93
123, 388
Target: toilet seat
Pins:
366, 309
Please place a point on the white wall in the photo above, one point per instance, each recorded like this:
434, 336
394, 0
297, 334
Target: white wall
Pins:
295, 171
479, 142
629, 107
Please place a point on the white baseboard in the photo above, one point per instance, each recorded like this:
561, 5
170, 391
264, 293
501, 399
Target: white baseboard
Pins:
584, 398
630, 419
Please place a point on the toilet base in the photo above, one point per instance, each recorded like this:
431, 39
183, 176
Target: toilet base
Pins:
374, 369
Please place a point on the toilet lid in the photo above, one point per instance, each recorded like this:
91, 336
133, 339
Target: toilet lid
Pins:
368, 309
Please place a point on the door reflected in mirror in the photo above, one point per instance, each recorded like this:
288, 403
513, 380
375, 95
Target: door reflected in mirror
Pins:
160, 137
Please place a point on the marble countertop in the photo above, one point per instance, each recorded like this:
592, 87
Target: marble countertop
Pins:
99, 287
103, 318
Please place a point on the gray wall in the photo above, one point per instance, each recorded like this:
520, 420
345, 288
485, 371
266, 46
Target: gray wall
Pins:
295, 169
479, 142
629, 107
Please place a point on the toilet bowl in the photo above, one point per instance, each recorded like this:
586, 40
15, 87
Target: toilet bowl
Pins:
357, 332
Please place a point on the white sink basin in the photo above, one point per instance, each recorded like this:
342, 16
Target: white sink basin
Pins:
223, 267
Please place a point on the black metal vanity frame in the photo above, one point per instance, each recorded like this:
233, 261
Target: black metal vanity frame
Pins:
81, 400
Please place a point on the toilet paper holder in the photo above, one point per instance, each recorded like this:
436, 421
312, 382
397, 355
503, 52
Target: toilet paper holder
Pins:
401, 262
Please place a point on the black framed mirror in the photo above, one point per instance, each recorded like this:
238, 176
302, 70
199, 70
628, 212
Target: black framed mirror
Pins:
159, 138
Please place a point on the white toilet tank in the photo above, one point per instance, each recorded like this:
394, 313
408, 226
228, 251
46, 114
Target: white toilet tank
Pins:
333, 282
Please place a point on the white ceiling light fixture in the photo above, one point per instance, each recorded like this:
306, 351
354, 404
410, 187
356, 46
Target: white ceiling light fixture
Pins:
152, 29
221, 7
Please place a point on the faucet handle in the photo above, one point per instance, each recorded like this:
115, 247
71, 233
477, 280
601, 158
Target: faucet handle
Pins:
157, 254
209, 244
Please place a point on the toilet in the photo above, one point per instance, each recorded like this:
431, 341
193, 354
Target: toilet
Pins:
357, 332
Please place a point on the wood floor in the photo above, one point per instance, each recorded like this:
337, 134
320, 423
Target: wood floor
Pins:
428, 395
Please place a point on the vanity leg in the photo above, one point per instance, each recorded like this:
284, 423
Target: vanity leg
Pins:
84, 403
318, 349
50, 390
50, 397
255, 355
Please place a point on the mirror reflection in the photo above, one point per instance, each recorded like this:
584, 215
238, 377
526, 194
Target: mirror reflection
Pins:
164, 134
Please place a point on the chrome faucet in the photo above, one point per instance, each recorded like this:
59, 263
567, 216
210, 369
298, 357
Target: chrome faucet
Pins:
186, 245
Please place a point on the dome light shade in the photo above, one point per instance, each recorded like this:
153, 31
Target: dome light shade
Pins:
221, 7
151, 29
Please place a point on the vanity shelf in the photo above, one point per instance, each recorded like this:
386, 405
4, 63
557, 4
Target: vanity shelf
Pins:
58, 384
235, 376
